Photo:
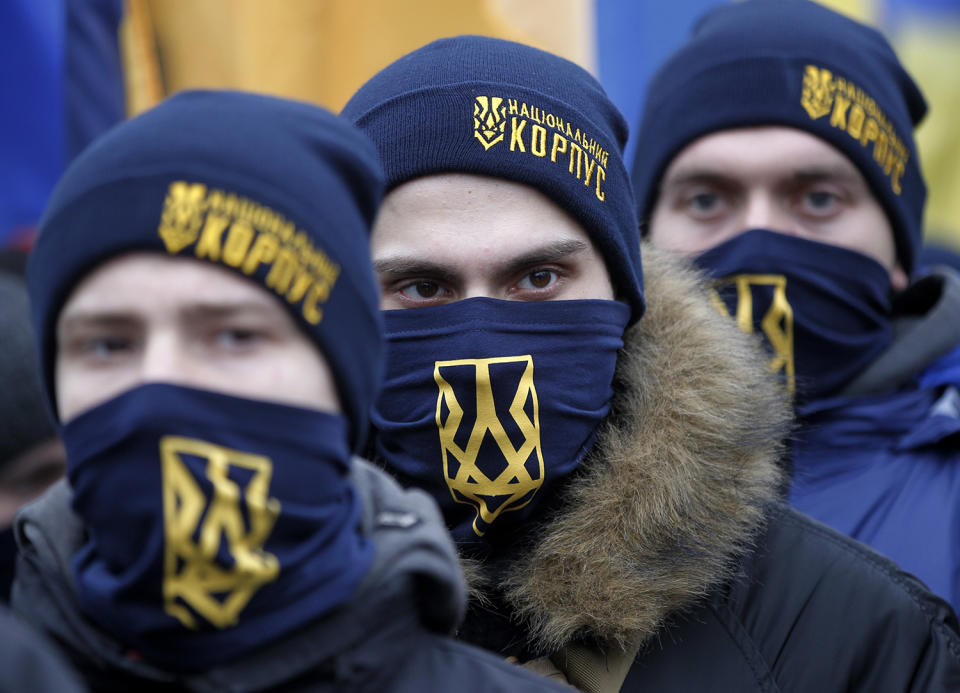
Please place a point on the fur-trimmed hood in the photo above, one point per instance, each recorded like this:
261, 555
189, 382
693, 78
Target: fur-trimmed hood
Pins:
675, 489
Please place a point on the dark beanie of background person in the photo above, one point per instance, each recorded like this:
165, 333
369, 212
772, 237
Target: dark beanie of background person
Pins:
281, 192
798, 64
485, 106
24, 419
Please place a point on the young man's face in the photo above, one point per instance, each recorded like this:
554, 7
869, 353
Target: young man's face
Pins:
146, 317
775, 178
448, 237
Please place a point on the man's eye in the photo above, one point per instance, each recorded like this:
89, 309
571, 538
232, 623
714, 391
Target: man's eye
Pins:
703, 204
421, 290
538, 279
820, 201
237, 338
106, 347
703, 201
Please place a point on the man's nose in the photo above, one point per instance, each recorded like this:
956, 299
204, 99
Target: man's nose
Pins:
164, 359
762, 211
480, 287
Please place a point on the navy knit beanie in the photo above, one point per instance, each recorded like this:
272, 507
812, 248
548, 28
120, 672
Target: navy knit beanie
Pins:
278, 191
473, 104
798, 64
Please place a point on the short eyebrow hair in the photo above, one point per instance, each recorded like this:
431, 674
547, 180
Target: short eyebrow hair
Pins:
544, 255
399, 267
800, 174
839, 173
124, 319
228, 309
708, 176
93, 318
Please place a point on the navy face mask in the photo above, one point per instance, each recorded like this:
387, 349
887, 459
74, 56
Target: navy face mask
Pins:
489, 404
824, 311
215, 524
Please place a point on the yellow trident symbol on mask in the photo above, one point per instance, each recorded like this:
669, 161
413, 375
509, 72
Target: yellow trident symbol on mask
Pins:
506, 481
197, 530
777, 322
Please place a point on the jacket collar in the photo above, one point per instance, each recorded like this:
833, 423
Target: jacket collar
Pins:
926, 327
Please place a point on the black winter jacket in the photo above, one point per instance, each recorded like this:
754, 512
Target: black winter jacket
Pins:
812, 611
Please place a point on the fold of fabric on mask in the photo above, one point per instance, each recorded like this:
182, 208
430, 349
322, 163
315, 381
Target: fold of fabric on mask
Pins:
823, 311
215, 523
489, 404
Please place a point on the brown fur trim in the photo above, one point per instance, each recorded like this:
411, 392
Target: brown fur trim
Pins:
675, 488
477, 580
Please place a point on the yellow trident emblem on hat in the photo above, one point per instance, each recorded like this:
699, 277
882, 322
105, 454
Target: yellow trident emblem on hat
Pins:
489, 120
183, 214
498, 468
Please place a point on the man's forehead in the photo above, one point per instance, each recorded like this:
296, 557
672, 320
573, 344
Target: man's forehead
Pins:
151, 281
456, 193
470, 219
760, 153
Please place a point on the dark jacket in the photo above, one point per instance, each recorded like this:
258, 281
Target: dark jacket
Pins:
671, 555
881, 462
813, 611
31, 663
391, 636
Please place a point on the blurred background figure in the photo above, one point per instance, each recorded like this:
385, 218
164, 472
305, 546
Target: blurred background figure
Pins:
31, 455
776, 151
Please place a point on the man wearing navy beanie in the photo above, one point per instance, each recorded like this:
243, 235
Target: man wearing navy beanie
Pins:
210, 342
602, 442
777, 149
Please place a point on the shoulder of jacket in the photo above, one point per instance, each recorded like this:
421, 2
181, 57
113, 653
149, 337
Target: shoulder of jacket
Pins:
838, 557
48, 530
803, 572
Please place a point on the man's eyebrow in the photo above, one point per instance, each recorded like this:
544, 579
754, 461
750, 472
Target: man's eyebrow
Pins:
544, 255
818, 173
98, 319
227, 309
120, 319
401, 267
697, 176
802, 174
